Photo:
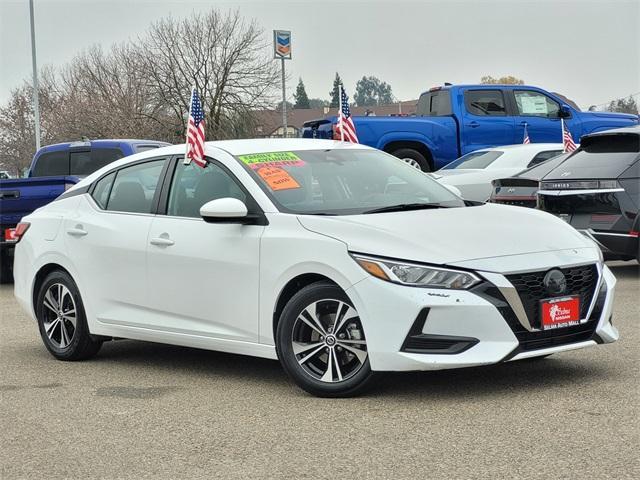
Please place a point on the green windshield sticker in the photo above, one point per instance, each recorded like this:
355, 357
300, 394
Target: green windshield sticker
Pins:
273, 159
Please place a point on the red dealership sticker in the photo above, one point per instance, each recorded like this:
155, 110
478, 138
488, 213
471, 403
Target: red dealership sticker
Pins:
560, 312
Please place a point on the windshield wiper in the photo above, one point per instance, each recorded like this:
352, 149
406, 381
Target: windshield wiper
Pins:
404, 207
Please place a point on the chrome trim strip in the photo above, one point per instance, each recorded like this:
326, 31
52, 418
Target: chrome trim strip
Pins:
596, 291
511, 295
592, 232
559, 193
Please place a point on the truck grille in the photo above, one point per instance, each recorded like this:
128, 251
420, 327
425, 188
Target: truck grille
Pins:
581, 281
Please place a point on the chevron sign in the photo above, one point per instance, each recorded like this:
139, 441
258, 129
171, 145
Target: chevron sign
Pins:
282, 44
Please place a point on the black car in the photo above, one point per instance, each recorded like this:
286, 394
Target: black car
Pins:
521, 189
597, 191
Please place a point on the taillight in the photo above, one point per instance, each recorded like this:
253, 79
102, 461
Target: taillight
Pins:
633, 233
15, 234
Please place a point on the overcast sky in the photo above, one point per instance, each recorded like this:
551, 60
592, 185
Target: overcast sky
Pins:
587, 50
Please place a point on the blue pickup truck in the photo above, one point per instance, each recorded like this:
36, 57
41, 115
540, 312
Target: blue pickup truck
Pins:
453, 120
53, 170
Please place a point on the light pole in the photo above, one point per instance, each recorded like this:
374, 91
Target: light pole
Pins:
36, 91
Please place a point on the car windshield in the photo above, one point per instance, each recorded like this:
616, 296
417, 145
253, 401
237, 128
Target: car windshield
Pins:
481, 159
344, 182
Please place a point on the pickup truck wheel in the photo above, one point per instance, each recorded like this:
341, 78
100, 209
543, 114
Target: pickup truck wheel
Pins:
413, 158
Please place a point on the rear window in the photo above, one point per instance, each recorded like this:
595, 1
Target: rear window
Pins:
475, 160
85, 163
609, 154
434, 104
51, 163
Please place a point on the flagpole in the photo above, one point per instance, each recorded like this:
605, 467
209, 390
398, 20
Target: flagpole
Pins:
187, 160
564, 146
340, 112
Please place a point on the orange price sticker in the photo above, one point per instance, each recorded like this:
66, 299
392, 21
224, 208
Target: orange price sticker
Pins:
277, 178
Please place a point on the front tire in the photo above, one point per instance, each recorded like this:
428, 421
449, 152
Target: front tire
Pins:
62, 320
321, 344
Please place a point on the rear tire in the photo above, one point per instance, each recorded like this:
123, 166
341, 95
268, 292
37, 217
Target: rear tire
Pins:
321, 344
413, 158
62, 320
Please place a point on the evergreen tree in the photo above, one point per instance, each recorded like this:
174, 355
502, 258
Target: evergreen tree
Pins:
301, 98
371, 91
335, 93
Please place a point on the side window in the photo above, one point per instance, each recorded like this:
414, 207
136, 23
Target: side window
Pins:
485, 102
134, 187
193, 186
543, 157
52, 163
103, 188
434, 104
536, 104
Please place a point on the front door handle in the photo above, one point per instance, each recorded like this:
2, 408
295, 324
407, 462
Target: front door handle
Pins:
474, 124
161, 241
77, 231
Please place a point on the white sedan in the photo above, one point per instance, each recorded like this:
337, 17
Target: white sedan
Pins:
473, 173
336, 259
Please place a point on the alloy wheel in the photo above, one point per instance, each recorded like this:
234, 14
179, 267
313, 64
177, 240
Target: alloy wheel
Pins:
59, 315
328, 341
412, 162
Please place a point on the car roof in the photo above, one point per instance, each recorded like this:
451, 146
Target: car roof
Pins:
233, 147
100, 143
634, 130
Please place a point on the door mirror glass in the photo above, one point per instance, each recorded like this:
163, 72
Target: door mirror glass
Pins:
223, 209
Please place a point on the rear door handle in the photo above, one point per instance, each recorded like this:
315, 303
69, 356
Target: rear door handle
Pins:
76, 232
474, 124
161, 241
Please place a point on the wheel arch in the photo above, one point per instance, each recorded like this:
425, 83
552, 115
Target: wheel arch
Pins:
40, 275
292, 287
412, 144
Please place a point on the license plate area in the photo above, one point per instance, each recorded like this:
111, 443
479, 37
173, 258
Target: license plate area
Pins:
560, 312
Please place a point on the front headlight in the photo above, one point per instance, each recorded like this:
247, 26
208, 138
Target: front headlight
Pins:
417, 275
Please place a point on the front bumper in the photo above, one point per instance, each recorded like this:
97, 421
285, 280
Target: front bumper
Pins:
481, 327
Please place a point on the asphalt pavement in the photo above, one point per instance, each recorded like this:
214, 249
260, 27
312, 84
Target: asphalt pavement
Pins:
141, 410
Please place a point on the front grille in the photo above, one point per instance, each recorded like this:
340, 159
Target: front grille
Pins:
581, 281
539, 339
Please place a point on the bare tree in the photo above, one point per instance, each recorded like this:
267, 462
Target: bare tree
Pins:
222, 56
141, 88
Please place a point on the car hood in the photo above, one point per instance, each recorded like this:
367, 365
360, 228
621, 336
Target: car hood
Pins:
450, 235
615, 115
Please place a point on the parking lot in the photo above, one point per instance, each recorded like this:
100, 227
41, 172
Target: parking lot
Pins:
148, 410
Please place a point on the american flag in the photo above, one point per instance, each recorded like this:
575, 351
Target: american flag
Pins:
567, 139
526, 135
345, 127
195, 132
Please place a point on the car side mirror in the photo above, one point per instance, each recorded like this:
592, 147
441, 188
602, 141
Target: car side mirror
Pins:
224, 210
564, 112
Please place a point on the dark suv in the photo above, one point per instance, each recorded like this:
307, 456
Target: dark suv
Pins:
597, 191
